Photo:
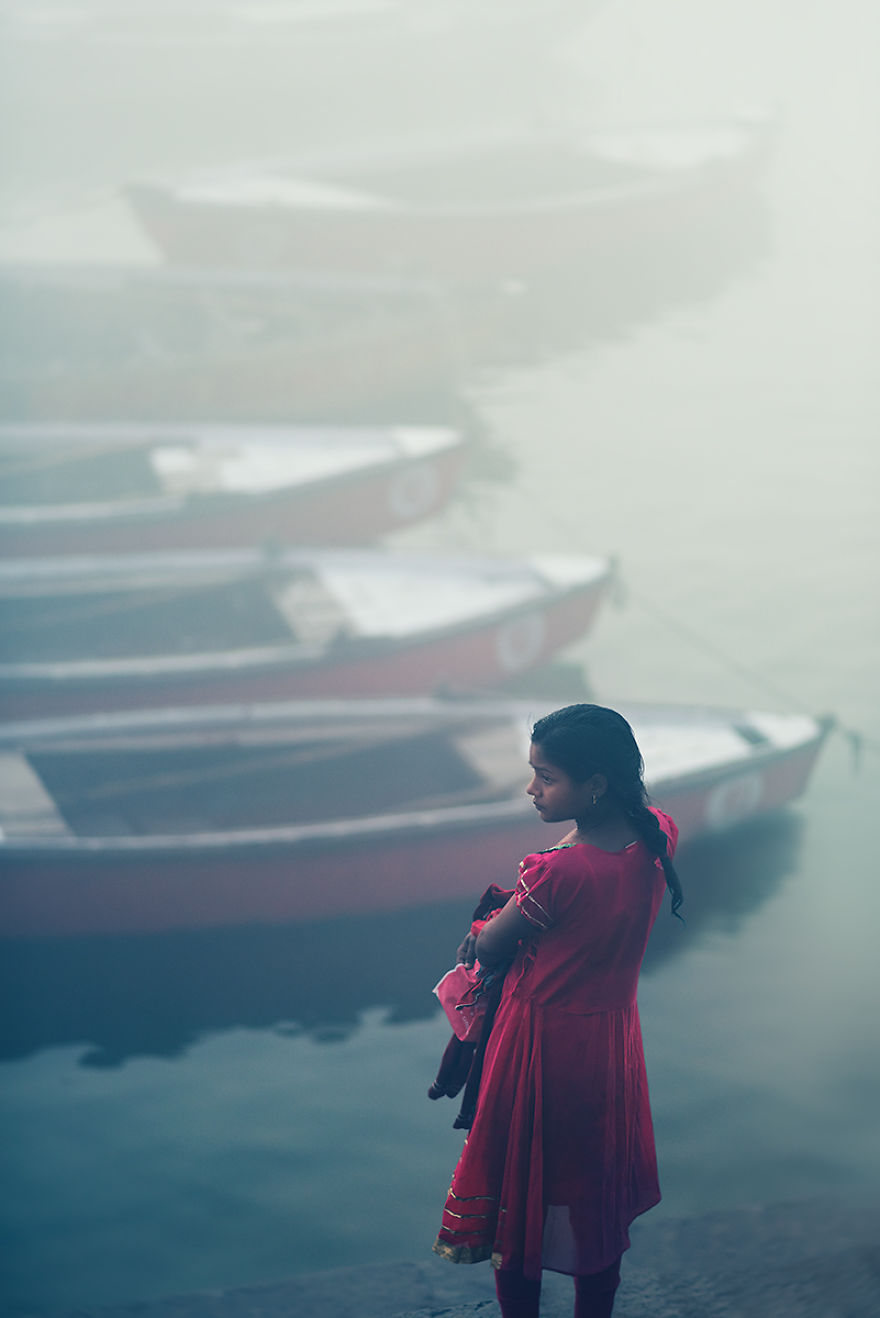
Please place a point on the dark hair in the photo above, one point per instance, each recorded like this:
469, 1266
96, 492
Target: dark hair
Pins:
587, 739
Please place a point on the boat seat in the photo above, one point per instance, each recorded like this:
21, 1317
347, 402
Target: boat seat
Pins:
26, 808
313, 614
498, 755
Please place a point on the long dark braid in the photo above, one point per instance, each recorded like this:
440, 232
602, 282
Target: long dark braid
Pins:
647, 825
588, 739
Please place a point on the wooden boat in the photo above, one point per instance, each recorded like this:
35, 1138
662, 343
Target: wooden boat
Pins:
282, 812
105, 633
482, 210
93, 488
151, 344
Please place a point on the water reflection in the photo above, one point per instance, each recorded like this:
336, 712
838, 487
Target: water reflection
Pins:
157, 995
726, 878
526, 322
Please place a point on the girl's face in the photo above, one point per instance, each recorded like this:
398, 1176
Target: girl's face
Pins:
557, 797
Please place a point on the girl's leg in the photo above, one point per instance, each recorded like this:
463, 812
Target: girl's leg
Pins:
594, 1293
518, 1296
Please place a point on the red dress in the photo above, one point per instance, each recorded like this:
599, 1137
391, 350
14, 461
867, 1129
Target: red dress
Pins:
560, 1158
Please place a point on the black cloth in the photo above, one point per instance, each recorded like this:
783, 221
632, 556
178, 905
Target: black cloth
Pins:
462, 1062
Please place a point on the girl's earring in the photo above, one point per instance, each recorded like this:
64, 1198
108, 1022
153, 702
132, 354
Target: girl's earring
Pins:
595, 798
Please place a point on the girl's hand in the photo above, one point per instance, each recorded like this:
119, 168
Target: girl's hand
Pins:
501, 935
467, 951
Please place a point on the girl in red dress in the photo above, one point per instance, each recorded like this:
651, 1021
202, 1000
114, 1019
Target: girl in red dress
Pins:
560, 1158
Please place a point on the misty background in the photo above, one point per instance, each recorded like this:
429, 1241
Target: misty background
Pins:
710, 418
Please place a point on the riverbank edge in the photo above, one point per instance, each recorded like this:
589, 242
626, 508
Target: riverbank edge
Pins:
816, 1258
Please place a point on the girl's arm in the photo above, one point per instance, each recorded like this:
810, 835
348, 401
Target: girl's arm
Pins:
496, 942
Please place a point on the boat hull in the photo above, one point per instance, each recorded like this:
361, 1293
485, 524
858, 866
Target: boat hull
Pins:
451, 243
349, 510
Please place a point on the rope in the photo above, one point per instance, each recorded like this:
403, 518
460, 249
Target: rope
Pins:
858, 742
621, 591
716, 652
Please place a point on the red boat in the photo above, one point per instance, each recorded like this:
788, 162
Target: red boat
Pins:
73, 489
483, 210
269, 813
112, 633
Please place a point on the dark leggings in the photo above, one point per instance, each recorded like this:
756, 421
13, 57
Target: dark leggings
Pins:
520, 1296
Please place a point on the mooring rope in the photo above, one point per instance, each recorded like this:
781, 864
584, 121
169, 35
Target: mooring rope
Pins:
858, 742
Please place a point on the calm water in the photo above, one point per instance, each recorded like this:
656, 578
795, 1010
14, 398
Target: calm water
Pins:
261, 1094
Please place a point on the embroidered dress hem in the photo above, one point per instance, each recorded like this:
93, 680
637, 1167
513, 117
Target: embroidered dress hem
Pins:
463, 1253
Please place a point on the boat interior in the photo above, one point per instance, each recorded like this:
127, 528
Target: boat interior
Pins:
313, 600
91, 323
166, 463
264, 768
165, 618
181, 783
83, 474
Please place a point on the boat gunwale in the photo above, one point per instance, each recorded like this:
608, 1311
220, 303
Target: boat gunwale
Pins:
19, 576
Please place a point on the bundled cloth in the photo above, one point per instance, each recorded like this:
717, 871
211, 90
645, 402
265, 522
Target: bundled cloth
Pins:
470, 996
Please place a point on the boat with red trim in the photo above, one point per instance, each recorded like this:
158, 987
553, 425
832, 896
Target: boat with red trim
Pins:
248, 814
116, 488
82, 634
498, 206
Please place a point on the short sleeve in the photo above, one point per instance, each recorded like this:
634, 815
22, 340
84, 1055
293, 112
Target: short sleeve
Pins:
534, 891
670, 828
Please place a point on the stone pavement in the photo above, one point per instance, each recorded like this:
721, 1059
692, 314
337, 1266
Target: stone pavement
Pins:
813, 1259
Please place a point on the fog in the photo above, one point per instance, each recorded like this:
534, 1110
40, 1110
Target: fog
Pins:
704, 382
689, 386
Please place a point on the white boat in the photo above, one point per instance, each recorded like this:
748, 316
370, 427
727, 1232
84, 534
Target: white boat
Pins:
124, 632
69, 489
271, 813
